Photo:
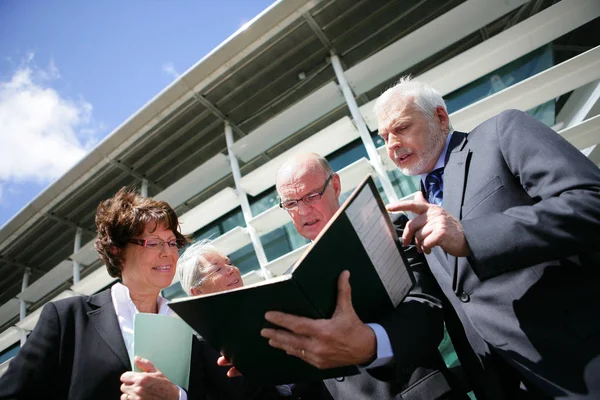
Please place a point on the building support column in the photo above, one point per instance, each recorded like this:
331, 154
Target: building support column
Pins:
23, 304
365, 135
246, 211
76, 247
144, 188
579, 107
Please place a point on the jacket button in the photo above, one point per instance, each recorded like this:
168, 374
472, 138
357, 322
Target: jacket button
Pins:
464, 297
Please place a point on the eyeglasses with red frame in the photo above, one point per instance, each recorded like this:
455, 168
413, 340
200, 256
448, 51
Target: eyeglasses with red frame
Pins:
157, 244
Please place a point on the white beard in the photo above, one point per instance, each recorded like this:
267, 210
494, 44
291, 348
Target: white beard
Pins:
435, 144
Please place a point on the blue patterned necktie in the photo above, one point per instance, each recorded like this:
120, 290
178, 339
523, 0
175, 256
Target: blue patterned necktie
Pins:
434, 184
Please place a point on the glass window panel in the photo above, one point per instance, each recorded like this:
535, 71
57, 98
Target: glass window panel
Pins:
502, 78
276, 244
294, 237
345, 195
173, 292
403, 184
380, 189
347, 155
245, 259
10, 352
212, 231
232, 220
378, 140
264, 202
545, 113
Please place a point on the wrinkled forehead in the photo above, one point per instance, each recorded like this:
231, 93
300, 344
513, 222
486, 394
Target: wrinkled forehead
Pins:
296, 183
394, 108
213, 257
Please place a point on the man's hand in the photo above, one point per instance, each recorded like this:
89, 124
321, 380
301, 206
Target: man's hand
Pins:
149, 384
433, 226
325, 343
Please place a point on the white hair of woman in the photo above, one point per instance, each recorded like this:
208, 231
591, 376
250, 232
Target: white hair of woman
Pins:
192, 265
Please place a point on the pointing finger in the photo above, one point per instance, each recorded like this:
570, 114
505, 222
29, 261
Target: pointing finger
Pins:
417, 207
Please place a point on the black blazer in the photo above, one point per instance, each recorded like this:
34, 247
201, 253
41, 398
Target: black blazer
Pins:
76, 351
525, 305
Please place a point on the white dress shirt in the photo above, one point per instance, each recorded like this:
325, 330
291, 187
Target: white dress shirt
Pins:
441, 162
126, 311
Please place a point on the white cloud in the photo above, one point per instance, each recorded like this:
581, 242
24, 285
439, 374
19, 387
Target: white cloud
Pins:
169, 68
42, 133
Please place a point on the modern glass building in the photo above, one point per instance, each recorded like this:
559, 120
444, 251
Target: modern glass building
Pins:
301, 76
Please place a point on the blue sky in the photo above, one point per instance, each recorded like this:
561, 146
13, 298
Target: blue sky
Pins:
71, 71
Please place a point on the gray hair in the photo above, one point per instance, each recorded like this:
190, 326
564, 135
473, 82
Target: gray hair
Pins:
192, 265
324, 164
424, 97
315, 160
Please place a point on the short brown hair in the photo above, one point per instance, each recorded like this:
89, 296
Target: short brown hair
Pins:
124, 216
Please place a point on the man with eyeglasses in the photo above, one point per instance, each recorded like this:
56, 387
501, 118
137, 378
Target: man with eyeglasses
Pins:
308, 212
398, 356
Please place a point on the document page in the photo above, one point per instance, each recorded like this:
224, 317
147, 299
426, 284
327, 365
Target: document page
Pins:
167, 342
372, 229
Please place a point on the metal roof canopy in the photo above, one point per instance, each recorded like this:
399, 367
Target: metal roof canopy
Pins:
249, 80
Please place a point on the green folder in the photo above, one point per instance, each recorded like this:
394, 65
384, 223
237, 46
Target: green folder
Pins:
167, 342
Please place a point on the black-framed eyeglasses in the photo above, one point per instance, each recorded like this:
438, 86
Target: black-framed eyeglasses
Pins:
157, 244
310, 198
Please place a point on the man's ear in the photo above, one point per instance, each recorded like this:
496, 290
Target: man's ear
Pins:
443, 119
196, 291
336, 183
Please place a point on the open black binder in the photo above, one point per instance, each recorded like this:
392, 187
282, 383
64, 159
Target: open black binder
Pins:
360, 238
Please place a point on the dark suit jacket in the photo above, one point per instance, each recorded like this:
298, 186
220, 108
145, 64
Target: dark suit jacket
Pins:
415, 330
76, 351
525, 304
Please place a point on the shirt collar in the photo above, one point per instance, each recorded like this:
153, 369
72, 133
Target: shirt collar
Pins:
126, 310
441, 162
124, 306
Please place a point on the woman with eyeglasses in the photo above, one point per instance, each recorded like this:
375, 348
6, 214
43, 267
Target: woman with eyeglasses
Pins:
81, 346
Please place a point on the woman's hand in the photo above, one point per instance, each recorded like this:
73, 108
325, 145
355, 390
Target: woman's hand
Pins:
233, 371
147, 385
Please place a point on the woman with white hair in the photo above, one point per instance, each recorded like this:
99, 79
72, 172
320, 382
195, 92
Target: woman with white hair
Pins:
204, 269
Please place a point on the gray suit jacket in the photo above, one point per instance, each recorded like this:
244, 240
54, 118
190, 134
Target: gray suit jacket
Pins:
526, 303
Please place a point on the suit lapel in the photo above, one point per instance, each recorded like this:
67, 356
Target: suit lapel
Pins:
440, 254
455, 174
104, 319
455, 171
